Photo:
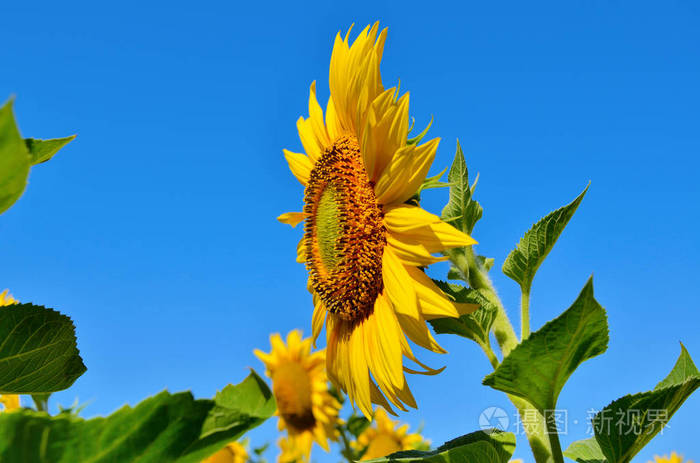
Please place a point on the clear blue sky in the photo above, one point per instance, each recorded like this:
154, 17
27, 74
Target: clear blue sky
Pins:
155, 229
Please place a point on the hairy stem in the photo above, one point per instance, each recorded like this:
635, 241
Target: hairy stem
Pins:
553, 435
524, 315
535, 426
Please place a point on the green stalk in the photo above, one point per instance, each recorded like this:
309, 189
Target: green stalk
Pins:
524, 315
553, 434
507, 340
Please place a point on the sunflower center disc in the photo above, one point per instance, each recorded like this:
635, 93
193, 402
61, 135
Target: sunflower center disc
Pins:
344, 235
292, 389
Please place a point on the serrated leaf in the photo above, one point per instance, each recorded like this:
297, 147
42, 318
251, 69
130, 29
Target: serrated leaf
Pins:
461, 210
478, 447
14, 159
476, 325
585, 451
43, 150
537, 368
163, 428
625, 426
523, 261
38, 351
244, 399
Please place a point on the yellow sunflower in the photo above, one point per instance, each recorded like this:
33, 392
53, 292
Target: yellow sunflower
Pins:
6, 298
234, 452
9, 401
290, 451
674, 458
363, 245
387, 437
305, 407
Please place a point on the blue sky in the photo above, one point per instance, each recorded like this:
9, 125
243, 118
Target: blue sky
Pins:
155, 229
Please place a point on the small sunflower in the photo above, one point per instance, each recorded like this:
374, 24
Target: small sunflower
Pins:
387, 437
291, 451
363, 245
305, 407
6, 298
9, 401
235, 452
674, 458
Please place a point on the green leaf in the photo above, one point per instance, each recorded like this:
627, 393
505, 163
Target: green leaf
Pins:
585, 451
537, 368
625, 426
461, 210
163, 428
14, 159
38, 352
476, 325
17, 155
523, 261
43, 150
478, 447
356, 425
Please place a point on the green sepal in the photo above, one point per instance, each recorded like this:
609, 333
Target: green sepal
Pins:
461, 211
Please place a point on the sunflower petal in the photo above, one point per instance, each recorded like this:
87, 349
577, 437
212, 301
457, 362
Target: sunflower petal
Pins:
293, 218
300, 165
405, 173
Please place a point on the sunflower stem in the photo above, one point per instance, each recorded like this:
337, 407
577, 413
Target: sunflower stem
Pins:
347, 449
524, 315
536, 427
553, 435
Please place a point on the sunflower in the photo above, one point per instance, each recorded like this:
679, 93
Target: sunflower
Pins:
363, 245
6, 298
305, 406
674, 458
9, 401
387, 437
234, 452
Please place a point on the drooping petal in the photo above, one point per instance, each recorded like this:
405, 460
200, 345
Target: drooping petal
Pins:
398, 286
293, 218
405, 173
432, 301
413, 226
300, 165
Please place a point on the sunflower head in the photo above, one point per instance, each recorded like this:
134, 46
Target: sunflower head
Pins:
9, 402
6, 298
364, 246
386, 437
674, 458
235, 452
305, 407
